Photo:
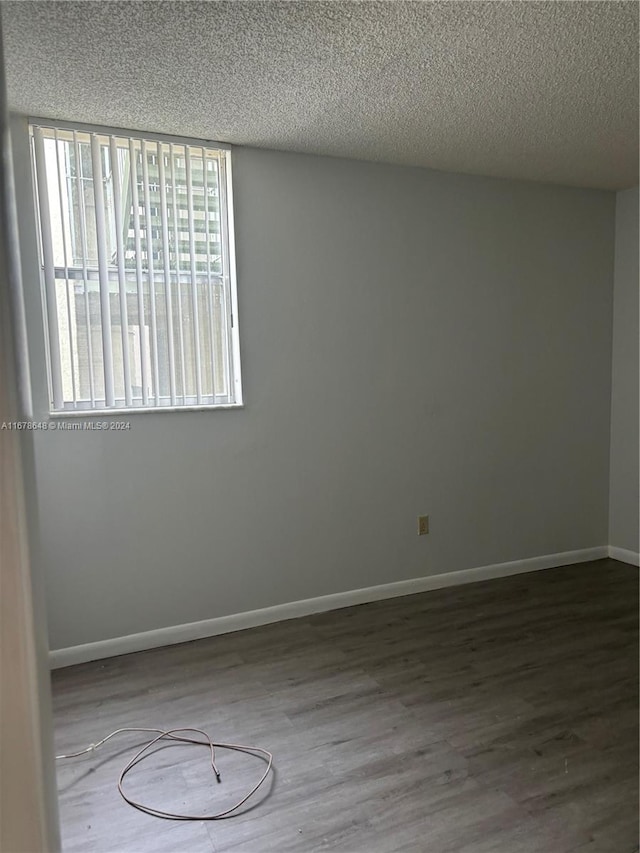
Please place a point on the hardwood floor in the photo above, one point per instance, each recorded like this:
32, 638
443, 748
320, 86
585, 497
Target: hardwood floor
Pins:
496, 717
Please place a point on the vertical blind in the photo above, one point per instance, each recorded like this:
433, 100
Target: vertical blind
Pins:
137, 270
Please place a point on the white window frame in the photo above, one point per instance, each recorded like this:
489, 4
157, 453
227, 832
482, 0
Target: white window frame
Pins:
58, 407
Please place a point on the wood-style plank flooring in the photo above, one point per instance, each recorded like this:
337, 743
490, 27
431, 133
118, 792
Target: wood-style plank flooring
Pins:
496, 717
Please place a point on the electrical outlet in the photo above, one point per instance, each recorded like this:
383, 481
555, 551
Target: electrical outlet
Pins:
423, 525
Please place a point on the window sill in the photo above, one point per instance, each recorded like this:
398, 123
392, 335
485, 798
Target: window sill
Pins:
102, 413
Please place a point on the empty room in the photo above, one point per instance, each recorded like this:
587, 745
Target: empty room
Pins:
319, 426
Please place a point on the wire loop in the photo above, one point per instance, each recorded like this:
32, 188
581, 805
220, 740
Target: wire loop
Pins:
179, 735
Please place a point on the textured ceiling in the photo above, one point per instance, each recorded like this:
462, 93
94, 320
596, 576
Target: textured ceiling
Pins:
538, 90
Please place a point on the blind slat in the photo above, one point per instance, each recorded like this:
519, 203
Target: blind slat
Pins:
133, 176
210, 299
226, 294
176, 238
194, 284
49, 273
67, 291
101, 240
82, 216
167, 273
152, 284
122, 285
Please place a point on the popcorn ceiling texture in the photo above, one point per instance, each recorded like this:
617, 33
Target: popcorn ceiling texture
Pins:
545, 91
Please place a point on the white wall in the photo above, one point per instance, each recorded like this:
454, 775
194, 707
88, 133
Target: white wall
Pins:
623, 506
412, 342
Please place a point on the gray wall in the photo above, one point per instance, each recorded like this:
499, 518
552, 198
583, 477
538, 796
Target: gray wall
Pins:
623, 506
412, 342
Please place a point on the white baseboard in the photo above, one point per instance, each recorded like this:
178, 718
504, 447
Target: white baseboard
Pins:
624, 556
294, 609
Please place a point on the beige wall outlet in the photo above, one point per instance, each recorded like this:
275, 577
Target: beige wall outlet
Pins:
423, 525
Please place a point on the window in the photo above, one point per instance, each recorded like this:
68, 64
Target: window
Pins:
136, 248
